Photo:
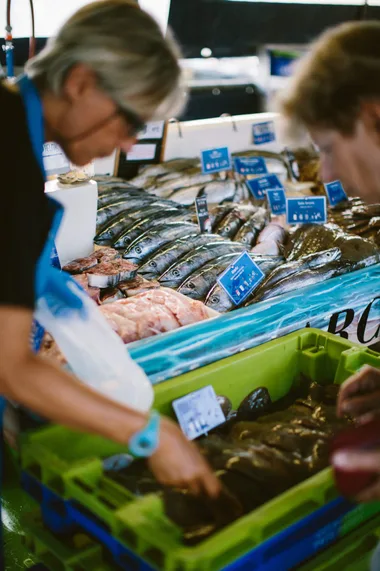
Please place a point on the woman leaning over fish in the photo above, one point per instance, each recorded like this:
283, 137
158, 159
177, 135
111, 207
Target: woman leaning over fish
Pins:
335, 96
107, 72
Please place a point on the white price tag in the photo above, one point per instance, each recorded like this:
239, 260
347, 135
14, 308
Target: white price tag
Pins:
142, 153
153, 130
198, 412
55, 161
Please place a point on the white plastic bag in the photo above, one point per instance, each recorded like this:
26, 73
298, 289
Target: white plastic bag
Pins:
96, 354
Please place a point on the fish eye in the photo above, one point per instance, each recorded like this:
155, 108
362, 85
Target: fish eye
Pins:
176, 273
215, 299
191, 285
153, 264
138, 250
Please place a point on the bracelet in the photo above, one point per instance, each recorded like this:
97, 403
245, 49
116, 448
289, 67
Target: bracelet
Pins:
145, 442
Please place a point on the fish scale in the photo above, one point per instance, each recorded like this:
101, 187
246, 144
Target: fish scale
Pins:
173, 252
176, 274
152, 240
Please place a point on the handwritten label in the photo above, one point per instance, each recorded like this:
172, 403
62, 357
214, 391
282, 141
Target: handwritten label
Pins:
202, 214
263, 133
259, 186
308, 210
335, 192
240, 278
277, 201
250, 165
198, 412
215, 160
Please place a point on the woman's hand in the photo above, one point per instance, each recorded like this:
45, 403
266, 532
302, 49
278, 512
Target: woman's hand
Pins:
177, 462
359, 396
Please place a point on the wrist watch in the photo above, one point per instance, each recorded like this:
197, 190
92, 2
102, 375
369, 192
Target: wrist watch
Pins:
145, 442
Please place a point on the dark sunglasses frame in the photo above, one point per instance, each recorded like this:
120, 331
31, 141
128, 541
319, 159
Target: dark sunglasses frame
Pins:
135, 123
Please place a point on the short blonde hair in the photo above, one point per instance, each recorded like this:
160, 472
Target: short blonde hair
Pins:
126, 49
340, 72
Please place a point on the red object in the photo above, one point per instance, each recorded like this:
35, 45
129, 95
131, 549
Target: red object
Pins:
361, 438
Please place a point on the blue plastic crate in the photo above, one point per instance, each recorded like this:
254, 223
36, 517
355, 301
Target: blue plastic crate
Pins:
283, 551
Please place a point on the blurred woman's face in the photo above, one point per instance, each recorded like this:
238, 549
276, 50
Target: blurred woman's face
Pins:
354, 159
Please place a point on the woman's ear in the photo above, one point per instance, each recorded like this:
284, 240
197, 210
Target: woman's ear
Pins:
370, 117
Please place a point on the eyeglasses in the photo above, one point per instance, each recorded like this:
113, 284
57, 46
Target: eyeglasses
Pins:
134, 122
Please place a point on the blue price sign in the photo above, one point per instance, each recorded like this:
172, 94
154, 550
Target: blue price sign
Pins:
198, 412
250, 165
259, 186
308, 210
335, 192
215, 160
263, 133
240, 278
277, 200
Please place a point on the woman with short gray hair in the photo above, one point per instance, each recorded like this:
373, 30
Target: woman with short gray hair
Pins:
91, 90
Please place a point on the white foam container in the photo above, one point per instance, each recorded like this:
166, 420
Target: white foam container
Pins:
75, 237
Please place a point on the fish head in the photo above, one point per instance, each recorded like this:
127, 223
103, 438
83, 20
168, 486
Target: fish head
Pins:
326, 257
218, 300
171, 278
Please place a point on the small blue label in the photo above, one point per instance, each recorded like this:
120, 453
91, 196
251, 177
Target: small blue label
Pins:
250, 165
240, 278
259, 186
335, 192
277, 200
308, 210
216, 160
198, 412
263, 133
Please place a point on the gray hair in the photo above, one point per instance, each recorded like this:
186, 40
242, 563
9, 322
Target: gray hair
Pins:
126, 49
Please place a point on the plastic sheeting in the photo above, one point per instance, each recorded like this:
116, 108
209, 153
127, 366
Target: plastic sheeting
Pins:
349, 304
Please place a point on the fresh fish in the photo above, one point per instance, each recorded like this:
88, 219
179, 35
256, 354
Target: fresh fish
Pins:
249, 232
311, 261
107, 274
172, 252
306, 277
231, 223
218, 212
140, 226
109, 234
312, 239
198, 284
217, 298
218, 191
152, 240
106, 213
177, 273
188, 195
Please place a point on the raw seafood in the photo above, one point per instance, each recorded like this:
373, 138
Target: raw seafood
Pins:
110, 273
281, 444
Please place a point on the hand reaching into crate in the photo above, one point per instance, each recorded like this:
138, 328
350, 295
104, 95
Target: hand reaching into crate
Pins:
359, 397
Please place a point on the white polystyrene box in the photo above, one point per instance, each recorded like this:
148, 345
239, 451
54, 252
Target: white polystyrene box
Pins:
75, 237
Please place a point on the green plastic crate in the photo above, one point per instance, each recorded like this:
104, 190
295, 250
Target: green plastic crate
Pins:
352, 553
77, 553
71, 464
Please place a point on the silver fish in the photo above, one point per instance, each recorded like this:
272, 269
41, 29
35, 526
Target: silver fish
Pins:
141, 226
177, 273
198, 284
172, 252
219, 300
152, 240
112, 230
